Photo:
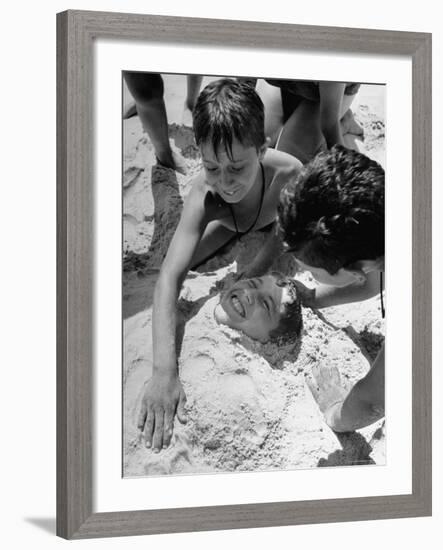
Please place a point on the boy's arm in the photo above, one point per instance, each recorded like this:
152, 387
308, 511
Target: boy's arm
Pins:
327, 296
287, 169
271, 249
331, 96
362, 405
164, 395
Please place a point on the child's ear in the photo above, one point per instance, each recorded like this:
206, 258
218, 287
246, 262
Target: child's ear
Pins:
263, 148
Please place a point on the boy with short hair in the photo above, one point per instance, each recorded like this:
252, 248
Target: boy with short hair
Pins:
332, 219
264, 308
236, 192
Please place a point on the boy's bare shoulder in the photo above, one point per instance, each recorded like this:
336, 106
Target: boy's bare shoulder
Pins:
282, 163
198, 185
202, 200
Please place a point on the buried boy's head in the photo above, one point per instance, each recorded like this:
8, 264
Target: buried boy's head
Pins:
264, 308
332, 216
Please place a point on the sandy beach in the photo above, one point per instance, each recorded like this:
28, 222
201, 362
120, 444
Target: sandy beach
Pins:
249, 406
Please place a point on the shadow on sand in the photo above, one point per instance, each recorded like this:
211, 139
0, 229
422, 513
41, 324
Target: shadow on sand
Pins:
138, 269
355, 450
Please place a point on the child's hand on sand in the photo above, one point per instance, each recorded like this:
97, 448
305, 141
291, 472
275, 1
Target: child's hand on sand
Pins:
326, 387
163, 398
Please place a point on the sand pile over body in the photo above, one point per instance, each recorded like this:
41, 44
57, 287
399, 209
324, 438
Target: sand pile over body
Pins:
249, 406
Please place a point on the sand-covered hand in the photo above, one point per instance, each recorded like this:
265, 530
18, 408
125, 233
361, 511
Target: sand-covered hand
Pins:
164, 397
326, 387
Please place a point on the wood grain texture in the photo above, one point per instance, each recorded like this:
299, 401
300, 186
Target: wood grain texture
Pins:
76, 31
218, 32
62, 365
74, 291
422, 272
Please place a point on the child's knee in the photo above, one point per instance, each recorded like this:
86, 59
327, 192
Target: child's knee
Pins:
145, 87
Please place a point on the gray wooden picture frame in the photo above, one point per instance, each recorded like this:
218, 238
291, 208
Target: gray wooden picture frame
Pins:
76, 32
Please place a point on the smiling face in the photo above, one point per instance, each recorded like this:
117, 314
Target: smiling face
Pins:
232, 176
254, 306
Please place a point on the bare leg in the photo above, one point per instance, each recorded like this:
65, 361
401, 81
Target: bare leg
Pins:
147, 90
193, 88
301, 136
348, 123
129, 110
289, 102
214, 238
270, 95
352, 131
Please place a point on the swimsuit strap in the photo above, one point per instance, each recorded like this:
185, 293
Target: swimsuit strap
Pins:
259, 208
381, 295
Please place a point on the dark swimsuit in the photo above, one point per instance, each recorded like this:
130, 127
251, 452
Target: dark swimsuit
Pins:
293, 92
238, 235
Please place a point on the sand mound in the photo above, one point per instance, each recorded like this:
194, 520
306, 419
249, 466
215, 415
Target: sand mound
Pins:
248, 404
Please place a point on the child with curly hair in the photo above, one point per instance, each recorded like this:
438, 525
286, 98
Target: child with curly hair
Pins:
331, 219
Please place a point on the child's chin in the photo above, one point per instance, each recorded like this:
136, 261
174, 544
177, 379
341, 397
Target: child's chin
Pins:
220, 315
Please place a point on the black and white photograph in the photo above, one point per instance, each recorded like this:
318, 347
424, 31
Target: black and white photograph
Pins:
198, 316
253, 294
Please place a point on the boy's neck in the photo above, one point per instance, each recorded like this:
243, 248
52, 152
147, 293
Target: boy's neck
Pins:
254, 194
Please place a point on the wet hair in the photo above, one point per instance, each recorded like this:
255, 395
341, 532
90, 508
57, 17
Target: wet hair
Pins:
291, 320
332, 214
226, 109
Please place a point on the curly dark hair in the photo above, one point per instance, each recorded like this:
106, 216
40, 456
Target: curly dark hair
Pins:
226, 109
291, 320
333, 214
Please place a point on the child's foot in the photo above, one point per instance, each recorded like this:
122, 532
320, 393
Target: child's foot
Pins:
187, 115
129, 110
349, 125
173, 160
